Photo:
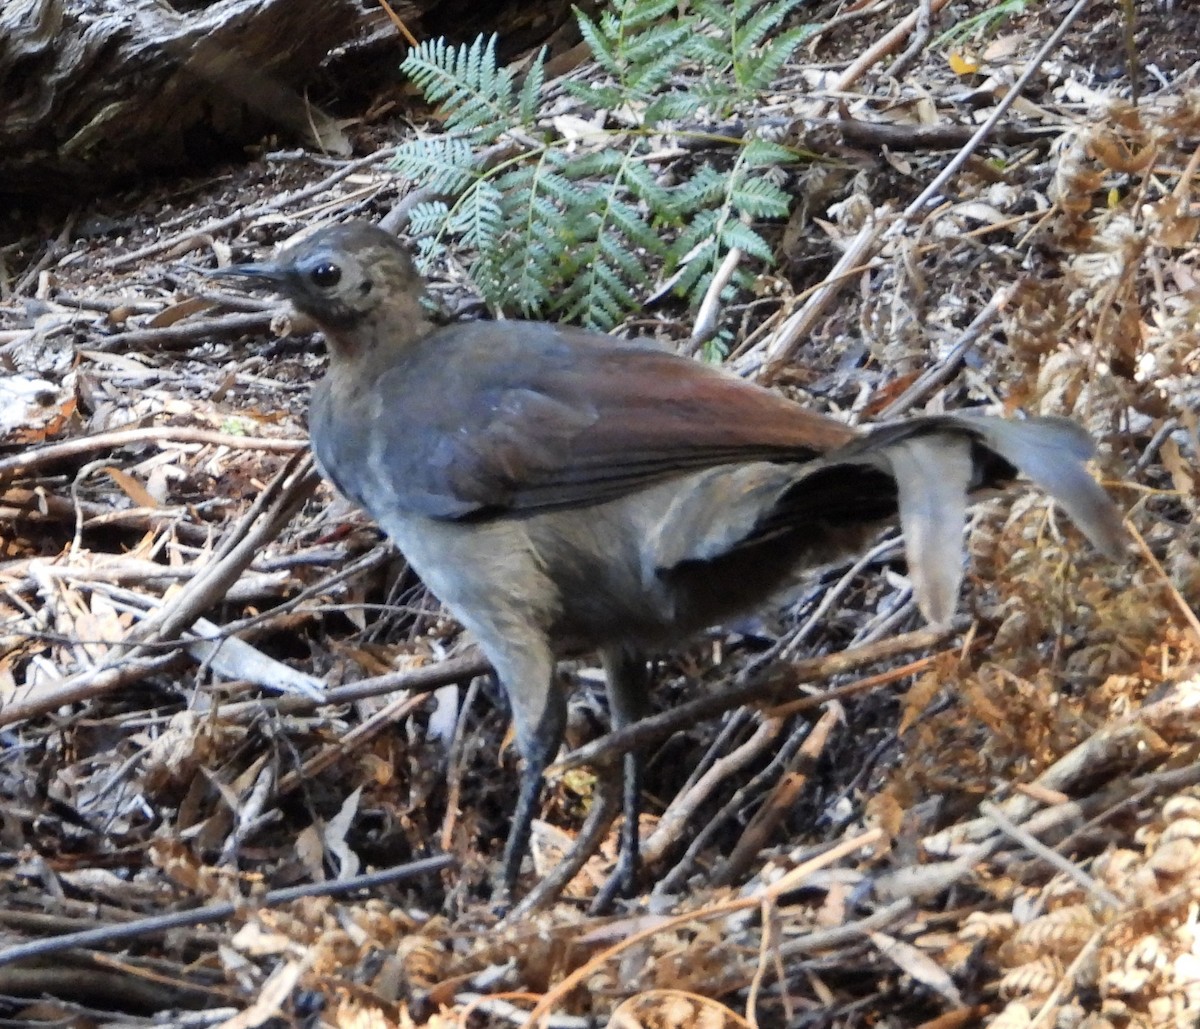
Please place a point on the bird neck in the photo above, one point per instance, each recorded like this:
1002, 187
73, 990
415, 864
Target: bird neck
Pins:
381, 334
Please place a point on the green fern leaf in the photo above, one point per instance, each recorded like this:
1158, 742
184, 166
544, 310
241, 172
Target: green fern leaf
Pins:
672, 106
701, 230
755, 28
632, 225
643, 184
595, 94
759, 198
475, 95
761, 153
477, 218
429, 218
598, 42
760, 70
712, 52
705, 188
444, 164
735, 233
636, 15
531, 89
696, 272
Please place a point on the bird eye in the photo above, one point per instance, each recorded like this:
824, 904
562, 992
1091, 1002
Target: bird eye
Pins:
326, 274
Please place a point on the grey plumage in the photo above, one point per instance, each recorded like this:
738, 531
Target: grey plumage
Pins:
561, 490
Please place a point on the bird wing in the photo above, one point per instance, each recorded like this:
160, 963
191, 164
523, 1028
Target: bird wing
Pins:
553, 418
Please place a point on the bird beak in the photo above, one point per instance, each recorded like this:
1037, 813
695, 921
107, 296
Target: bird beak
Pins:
268, 272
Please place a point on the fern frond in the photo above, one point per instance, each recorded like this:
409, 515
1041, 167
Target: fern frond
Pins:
428, 218
600, 41
651, 58
701, 229
758, 71
637, 15
445, 164
574, 233
754, 28
698, 269
735, 233
759, 198
531, 89
595, 94
634, 46
672, 106
478, 217
632, 224
475, 95
710, 51
644, 184
704, 188
617, 255
762, 153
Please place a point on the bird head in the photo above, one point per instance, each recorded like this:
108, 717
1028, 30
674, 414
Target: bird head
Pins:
343, 277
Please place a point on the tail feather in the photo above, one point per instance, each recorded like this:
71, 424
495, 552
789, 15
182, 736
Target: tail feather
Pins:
1052, 452
936, 465
923, 471
933, 477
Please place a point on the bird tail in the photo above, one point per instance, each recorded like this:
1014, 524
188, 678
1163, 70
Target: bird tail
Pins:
938, 461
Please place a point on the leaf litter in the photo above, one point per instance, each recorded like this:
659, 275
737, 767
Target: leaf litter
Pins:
1007, 833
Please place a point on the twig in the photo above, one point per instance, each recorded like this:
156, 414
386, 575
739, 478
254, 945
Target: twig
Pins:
420, 680
454, 767
497, 1005
243, 214
1084, 959
737, 802
1035, 846
922, 29
52, 250
159, 924
764, 688
1161, 435
276, 504
779, 803
882, 48
923, 138
985, 130
350, 742
788, 339
591, 835
705, 326
683, 808
851, 932
189, 331
32, 460
786, 884
1109, 745
945, 370
856, 13
783, 346
1184, 608
797, 638
270, 512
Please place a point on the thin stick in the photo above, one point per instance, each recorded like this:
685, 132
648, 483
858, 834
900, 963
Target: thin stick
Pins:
39, 457
1035, 846
159, 924
761, 689
785, 884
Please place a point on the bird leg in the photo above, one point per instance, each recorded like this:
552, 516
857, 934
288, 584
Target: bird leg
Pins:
628, 679
591, 835
539, 711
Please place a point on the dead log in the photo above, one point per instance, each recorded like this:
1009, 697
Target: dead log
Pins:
93, 92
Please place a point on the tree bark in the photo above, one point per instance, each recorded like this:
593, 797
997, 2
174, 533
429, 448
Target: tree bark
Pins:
93, 92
